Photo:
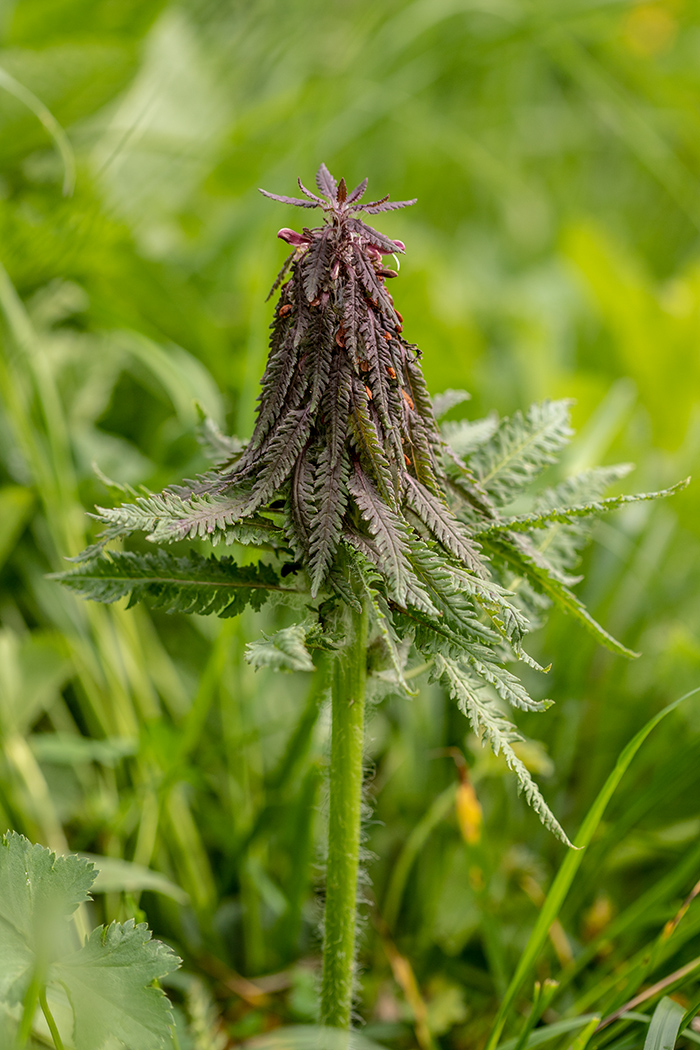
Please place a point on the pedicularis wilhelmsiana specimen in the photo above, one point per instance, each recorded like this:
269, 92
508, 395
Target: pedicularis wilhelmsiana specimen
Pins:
394, 536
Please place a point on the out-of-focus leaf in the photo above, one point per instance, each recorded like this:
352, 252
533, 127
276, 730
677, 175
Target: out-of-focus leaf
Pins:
284, 651
115, 876
15, 508
664, 1025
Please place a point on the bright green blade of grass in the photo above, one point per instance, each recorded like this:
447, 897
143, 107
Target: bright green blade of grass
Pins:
572, 862
665, 1025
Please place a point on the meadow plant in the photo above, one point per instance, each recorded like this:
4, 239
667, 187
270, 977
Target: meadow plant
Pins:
426, 550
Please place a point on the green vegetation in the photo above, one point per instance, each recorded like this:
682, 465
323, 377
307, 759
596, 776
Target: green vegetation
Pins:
553, 254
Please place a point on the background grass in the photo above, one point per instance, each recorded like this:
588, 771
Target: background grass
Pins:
555, 151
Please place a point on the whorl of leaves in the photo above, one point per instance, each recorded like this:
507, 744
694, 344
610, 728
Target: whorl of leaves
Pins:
347, 475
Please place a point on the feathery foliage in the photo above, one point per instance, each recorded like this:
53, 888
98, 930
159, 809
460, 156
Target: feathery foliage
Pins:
346, 477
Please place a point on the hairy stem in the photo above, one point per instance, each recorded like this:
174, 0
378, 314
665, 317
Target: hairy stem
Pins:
347, 739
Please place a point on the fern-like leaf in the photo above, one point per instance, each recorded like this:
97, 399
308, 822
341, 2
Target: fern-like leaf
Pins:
370, 582
331, 496
326, 183
487, 721
526, 562
564, 515
521, 448
438, 518
283, 651
190, 584
390, 534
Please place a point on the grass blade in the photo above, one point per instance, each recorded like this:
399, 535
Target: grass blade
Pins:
664, 1026
43, 114
565, 876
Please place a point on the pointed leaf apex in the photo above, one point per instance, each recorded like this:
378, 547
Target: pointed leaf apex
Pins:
342, 191
358, 192
326, 183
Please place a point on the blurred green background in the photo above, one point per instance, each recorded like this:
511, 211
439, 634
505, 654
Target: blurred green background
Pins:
554, 148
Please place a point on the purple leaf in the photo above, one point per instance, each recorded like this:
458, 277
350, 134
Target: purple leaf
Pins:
309, 194
385, 205
358, 192
326, 183
289, 200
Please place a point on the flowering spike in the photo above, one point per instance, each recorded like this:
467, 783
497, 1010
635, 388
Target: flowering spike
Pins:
347, 475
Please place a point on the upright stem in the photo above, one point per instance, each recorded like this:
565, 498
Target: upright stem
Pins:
347, 739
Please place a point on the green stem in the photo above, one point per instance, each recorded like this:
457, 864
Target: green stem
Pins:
53, 1028
347, 740
31, 998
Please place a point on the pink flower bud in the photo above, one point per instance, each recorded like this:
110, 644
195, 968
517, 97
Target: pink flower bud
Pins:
292, 237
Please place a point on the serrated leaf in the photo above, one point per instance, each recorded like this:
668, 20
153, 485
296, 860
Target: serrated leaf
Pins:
109, 985
380, 615
326, 183
39, 892
487, 721
442, 403
190, 584
284, 651
567, 515
218, 446
289, 200
521, 448
109, 981
390, 533
315, 264
529, 563
446, 529
386, 205
358, 193
331, 496
465, 436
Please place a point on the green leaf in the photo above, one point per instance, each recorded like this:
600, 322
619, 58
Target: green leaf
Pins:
167, 517
521, 448
528, 562
191, 584
109, 984
109, 980
583, 1038
115, 875
219, 447
39, 891
487, 721
567, 515
312, 1037
664, 1025
442, 403
42, 113
546, 1034
380, 616
16, 505
284, 651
